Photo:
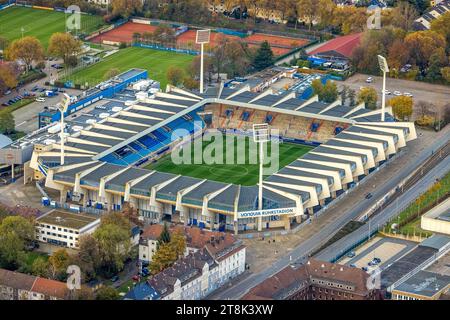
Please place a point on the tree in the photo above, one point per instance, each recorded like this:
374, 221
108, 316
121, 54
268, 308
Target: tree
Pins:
59, 261
164, 237
422, 45
368, 95
118, 219
178, 243
442, 25
404, 15
344, 93
402, 107
175, 75
114, 246
7, 124
107, 293
126, 8
164, 35
351, 97
40, 267
111, 73
446, 74
65, 46
88, 257
264, 57
164, 257
190, 84
12, 254
28, 49
329, 92
8, 77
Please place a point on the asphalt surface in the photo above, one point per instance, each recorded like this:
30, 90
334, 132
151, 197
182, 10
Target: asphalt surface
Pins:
300, 252
388, 213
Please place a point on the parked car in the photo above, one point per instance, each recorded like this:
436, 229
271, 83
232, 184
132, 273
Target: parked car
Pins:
365, 269
7, 92
369, 80
40, 99
115, 279
407, 94
351, 254
397, 93
353, 265
368, 196
387, 92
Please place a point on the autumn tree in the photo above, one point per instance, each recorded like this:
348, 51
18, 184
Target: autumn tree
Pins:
178, 243
28, 49
126, 8
65, 46
164, 257
8, 77
441, 25
164, 237
422, 45
326, 92
59, 261
368, 96
175, 75
40, 267
164, 35
402, 107
88, 257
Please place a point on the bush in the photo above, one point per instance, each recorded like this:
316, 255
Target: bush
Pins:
123, 45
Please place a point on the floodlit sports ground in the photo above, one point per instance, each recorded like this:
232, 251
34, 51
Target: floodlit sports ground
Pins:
243, 174
40, 23
156, 62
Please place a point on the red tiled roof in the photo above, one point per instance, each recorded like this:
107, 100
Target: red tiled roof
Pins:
50, 288
343, 45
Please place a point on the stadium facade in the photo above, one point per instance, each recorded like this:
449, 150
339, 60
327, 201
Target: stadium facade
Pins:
103, 160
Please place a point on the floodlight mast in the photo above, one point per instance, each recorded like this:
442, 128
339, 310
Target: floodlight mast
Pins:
62, 109
202, 37
384, 68
260, 135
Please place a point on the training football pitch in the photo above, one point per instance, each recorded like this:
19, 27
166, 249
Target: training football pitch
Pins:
156, 62
40, 23
244, 174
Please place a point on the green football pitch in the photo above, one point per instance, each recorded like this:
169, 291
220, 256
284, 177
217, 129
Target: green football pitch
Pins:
244, 174
155, 61
40, 23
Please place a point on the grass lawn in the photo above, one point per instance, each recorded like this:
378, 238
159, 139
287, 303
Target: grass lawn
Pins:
155, 61
243, 174
427, 200
40, 23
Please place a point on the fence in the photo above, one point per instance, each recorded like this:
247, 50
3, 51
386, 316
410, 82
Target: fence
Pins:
176, 49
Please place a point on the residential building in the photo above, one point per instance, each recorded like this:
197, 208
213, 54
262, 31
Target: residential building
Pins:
315, 280
21, 286
64, 228
437, 10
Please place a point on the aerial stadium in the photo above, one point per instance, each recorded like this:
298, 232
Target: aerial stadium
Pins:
122, 156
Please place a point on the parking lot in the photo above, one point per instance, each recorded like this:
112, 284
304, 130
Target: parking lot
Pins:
421, 91
387, 250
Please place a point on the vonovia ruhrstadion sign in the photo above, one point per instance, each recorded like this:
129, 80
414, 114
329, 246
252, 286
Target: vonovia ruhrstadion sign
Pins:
265, 213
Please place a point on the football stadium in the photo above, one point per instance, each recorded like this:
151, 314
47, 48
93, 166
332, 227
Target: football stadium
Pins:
123, 156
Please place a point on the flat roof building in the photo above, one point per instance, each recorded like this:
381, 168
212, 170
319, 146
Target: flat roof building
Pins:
64, 228
424, 285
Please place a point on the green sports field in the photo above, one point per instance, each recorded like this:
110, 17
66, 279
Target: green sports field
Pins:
243, 174
40, 23
155, 61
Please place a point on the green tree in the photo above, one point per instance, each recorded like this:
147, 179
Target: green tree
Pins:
368, 95
351, 97
40, 267
88, 257
7, 124
263, 57
164, 237
114, 246
329, 92
107, 293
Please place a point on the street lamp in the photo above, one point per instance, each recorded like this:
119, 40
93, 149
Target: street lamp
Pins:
384, 68
62, 107
261, 134
201, 38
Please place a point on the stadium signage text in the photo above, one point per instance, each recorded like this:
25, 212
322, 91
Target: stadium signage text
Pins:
265, 213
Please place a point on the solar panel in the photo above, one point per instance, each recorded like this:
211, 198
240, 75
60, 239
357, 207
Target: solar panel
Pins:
202, 36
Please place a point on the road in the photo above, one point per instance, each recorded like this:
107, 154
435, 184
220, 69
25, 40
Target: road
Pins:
388, 213
300, 252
